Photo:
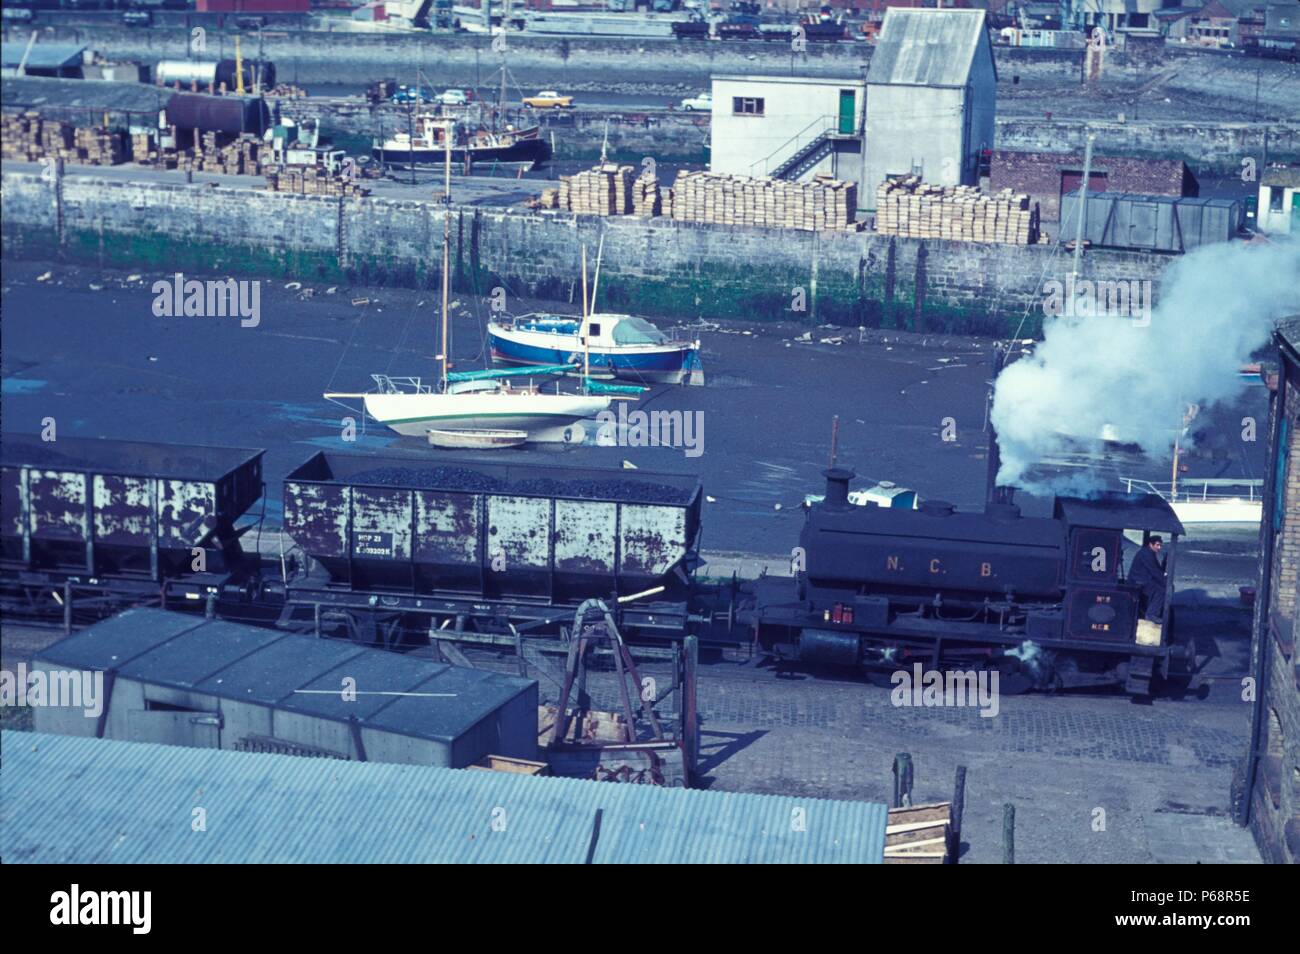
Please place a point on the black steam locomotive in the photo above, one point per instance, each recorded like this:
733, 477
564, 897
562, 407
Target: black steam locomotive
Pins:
1042, 600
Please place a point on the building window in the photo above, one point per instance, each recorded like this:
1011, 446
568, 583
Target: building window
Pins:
746, 106
1275, 199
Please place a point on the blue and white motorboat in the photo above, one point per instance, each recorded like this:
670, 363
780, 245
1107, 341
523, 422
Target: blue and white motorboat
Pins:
613, 345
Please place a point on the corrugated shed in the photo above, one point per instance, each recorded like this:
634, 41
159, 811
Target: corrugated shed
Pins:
255, 665
81, 800
926, 47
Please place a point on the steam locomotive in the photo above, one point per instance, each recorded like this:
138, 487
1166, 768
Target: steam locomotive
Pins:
1042, 600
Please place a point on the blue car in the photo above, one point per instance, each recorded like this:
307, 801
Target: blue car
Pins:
413, 94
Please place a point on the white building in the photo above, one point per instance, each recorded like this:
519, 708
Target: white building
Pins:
931, 99
1279, 200
790, 127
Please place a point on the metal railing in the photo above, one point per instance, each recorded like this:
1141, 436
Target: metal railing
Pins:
1205, 489
822, 125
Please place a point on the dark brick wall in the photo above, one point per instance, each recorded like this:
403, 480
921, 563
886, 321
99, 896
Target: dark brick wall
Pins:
1039, 175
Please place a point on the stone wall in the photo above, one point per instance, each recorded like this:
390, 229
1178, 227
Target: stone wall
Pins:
658, 267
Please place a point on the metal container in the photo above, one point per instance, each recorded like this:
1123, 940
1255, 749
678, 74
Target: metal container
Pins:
122, 508
494, 530
1150, 222
229, 114
213, 73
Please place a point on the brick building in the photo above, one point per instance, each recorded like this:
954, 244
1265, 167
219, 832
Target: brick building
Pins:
1269, 800
1046, 176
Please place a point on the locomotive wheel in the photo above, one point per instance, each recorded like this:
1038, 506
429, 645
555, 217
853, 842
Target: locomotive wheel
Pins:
1013, 679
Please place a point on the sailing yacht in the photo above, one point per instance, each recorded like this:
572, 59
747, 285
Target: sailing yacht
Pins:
474, 400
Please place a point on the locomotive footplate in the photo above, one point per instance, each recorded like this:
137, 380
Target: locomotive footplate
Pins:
665, 620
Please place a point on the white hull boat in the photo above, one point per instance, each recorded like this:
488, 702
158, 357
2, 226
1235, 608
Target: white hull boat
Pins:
543, 417
474, 439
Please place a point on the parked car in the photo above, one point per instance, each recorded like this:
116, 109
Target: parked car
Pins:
413, 94
548, 99
703, 101
453, 97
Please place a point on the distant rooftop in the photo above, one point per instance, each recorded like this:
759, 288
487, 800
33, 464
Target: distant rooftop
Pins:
1286, 176
927, 47
43, 56
71, 799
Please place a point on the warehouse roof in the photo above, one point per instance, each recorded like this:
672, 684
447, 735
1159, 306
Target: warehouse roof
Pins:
289, 672
927, 48
30, 92
69, 799
43, 56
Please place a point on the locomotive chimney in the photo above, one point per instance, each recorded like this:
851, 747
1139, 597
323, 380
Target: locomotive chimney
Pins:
993, 493
837, 487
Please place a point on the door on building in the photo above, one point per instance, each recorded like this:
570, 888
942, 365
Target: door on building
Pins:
848, 112
1295, 212
1072, 181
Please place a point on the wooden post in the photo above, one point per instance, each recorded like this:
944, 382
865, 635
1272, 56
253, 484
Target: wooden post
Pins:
957, 810
690, 721
1008, 834
902, 780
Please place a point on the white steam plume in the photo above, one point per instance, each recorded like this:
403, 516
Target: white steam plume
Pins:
1217, 305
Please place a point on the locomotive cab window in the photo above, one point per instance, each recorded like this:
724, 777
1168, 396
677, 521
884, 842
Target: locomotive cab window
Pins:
1095, 554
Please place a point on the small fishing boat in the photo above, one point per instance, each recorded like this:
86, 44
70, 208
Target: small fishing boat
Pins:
1223, 500
612, 345
475, 438
422, 144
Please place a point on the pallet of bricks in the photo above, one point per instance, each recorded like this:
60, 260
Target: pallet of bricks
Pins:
310, 181
824, 203
912, 208
605, 189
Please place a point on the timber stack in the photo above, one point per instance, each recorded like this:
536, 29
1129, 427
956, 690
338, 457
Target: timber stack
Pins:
921, 835
646, 199
605, 189
824, 203
912, 208
30, 138
307, 180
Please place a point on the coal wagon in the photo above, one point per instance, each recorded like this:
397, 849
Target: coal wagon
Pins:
126, 517
461, 538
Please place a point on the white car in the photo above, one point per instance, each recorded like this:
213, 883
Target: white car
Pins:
704, 102
453, 97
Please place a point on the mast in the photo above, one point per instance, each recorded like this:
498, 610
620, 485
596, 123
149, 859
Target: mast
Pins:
586, 327
446, 241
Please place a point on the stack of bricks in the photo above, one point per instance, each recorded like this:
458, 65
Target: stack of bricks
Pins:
307, 180
646, 200
603, 190
824, 203
911, 208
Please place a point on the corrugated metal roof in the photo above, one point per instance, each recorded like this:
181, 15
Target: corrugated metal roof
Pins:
37, 93
44, 56
265, 667
926, 47
71, 799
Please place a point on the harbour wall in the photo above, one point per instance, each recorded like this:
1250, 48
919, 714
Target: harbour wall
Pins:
678, 270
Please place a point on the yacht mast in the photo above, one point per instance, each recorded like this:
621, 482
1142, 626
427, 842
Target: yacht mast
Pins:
446, 241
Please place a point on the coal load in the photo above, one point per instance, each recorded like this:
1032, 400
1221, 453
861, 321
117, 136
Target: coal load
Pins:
473, 481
